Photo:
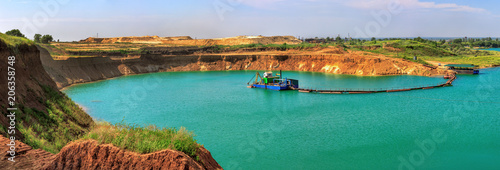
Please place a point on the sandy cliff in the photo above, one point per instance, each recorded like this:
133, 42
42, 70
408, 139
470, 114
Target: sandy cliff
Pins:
328, 60
186, 40
31, 88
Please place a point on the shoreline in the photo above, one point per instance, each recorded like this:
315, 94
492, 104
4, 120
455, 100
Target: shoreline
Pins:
85, 109
67, 73
62, 89
433, 75
71, 85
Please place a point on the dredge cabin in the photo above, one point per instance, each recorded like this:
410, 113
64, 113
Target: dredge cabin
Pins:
463, 68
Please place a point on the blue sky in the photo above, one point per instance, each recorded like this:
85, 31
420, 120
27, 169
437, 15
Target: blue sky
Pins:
71, 20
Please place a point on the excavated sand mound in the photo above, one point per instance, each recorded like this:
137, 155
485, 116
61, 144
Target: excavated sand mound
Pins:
186, 40
90, 155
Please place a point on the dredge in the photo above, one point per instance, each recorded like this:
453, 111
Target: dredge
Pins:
277, 82
268, 81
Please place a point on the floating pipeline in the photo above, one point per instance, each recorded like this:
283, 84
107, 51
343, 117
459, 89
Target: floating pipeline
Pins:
278, 86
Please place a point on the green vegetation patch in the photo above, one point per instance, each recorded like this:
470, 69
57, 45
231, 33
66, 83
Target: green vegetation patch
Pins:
3, 130
144, 139
14, 41
283, 46
62, 122
430, 50
482, 61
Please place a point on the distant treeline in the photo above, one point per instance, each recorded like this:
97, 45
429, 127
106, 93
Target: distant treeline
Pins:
464, 42
478, 42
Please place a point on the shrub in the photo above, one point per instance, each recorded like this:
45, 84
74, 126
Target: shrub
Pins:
15, 32
37, 38
47, 38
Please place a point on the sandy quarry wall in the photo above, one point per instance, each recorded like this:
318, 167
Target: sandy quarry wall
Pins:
237, 41
81, 70
186, 40
142, 39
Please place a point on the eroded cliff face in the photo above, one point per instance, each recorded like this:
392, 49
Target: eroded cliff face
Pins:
337, 61
33, 89
91, 155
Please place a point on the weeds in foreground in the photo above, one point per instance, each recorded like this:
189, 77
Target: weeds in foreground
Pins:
144, 139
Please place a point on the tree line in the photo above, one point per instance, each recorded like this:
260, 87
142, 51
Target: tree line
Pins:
478, 42
37, 38
460, 42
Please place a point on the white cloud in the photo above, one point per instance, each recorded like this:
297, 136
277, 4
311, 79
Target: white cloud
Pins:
372, 4
259, 3
411, 4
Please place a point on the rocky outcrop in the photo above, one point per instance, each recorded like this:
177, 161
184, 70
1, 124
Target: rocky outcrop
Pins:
91, 155
330, 60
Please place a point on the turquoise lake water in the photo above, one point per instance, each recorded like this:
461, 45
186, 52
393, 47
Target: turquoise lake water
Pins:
456, 127
492, 49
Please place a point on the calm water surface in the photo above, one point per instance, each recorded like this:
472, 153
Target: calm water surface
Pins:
454, 127
492, 49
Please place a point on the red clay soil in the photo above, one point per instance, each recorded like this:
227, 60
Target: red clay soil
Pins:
26, 157
90, 155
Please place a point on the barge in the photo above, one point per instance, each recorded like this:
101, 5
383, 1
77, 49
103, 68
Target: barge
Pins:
273, 82
463, 68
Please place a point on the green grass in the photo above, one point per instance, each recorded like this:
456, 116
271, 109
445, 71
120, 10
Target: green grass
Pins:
62, 122
431, 51
144, 139
483, 61
405, 49
3, 130
14, 41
